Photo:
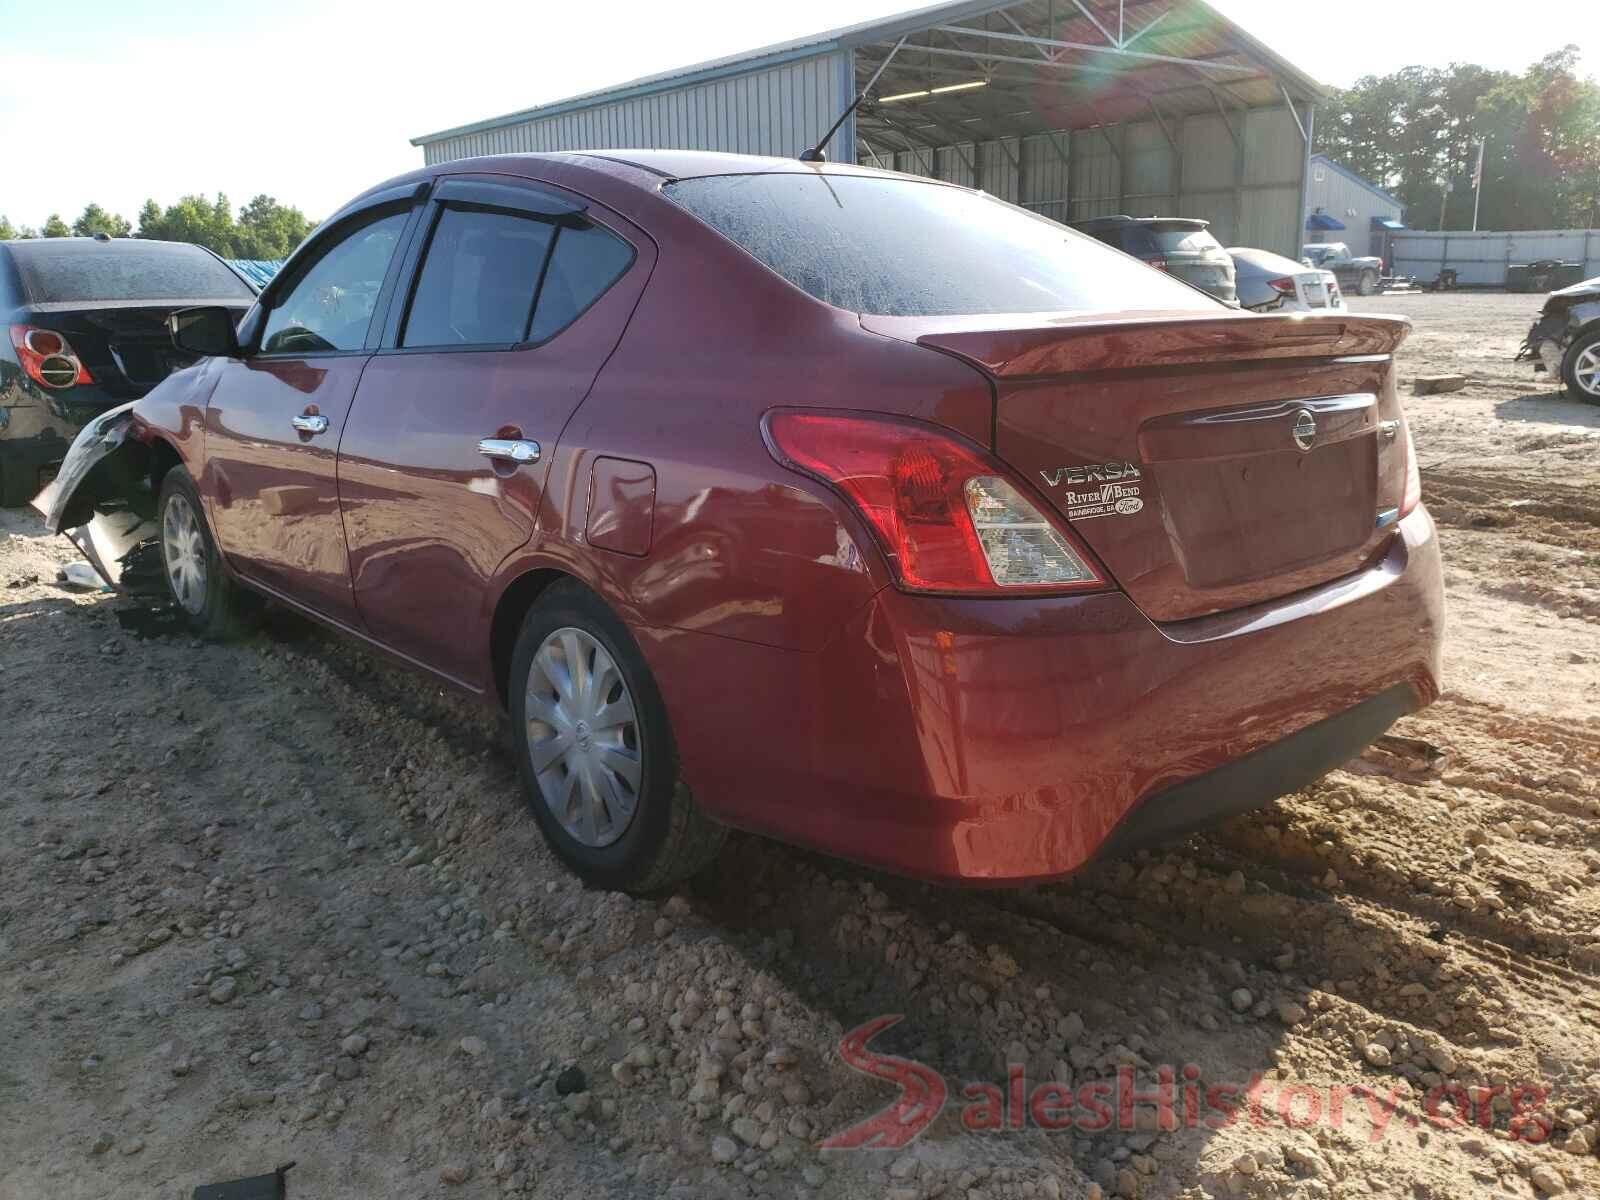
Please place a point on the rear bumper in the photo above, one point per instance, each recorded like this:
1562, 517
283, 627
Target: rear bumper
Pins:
1012, 740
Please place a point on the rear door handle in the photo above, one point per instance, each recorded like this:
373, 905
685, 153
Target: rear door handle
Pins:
517, 450
312, 424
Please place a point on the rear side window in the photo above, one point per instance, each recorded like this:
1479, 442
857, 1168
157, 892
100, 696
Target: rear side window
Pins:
479, 280
57, 270
894, 247
586, 261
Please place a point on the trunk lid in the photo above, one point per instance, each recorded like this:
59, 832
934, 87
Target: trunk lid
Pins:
1211, 461
125, 344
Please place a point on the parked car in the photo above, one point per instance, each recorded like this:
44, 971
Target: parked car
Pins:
1565, 340
1363, 275
87, 323
1182, 247
862, 511
1268, 282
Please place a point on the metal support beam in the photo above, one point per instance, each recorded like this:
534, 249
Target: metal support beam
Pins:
1305, 135
995, 34
1095, 21
1132, 38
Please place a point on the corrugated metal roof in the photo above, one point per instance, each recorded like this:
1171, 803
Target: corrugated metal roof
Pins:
1234, 64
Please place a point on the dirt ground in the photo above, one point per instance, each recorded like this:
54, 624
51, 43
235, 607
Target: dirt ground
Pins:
276, 900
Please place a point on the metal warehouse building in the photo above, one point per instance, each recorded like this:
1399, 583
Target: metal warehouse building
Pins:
1072, 108
1343, 207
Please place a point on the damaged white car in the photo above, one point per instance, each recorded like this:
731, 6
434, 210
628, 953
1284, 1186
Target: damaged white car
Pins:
1565, 341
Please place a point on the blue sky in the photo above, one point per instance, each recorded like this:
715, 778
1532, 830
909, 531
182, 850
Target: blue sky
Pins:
312, 102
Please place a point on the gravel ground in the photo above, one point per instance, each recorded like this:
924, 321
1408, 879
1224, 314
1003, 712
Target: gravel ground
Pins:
276, 900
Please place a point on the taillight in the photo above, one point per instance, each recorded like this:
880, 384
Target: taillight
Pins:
1159, 264
47, 357
1284, 286
948, 517
1412, 496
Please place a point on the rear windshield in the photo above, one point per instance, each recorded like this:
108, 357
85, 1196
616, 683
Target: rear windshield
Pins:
901, 248
122, 269
1182, 239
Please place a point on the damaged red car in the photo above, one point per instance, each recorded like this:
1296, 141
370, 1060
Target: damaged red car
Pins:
862, 511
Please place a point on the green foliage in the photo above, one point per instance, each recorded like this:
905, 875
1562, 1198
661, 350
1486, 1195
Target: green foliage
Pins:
97, 220
54, 226
264, 229
7, 229
1419, 128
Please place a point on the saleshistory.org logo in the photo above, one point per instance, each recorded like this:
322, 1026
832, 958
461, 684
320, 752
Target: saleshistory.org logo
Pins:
1120, 1104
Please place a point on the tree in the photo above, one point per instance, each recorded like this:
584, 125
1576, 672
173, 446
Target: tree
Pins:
8, 231
54, 226
192, 219
268, 229
97, 220
1417, 130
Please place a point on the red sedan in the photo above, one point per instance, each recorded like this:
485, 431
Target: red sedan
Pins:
859, 510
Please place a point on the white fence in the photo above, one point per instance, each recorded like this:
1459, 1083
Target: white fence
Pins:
1481, 259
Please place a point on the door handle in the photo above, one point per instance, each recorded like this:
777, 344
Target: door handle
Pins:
516, 450
314, 424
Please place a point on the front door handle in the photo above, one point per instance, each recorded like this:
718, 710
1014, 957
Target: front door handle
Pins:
312, 424
516, 450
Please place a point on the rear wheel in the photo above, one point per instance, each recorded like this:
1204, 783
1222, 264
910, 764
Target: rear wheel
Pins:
211, 603
595, 753
1580, 370
1368, 285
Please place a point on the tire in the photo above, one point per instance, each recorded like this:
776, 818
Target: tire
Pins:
1580, 369
640, 834
199, 586
1368, 284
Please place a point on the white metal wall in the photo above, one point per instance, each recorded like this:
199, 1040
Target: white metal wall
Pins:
1249, 190
779, 109
1482, 258
1351, 203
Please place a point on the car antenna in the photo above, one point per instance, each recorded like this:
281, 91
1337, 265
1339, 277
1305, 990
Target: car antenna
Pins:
818, 152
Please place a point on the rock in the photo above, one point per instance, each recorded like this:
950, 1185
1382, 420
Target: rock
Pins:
1291, 1013
570, 1081
1428, 385
473, 1047
454, 1173
130, 1146
311, 1012
102, 1143
1377, 1054
724, 1149
904, 1167
746, 1130
1246, 1164
1547, 1180
346, 1068
1241, 999
355, 1045
223, 989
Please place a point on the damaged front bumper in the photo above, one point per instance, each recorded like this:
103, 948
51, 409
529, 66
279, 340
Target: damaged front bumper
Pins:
101, 499
1566, 315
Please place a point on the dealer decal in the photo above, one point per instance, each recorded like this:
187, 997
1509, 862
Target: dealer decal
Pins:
1117, 493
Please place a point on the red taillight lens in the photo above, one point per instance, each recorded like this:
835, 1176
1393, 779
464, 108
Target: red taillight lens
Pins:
47, 358
1412, 496
949, 518
1284, 286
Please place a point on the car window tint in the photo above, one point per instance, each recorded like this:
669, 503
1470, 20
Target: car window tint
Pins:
896, 247
586, 261
478, 280
330, 306
55, 270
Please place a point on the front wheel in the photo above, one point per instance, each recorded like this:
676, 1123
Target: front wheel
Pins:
595, 752
1580, 369
1369, 283
209, 601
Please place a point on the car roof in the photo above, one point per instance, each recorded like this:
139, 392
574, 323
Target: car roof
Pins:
94, 245
1266, 260
1122, 219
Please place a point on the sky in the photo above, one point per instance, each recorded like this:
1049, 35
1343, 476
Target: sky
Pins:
312, 101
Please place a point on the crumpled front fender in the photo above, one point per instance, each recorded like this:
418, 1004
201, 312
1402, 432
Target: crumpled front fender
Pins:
96, 441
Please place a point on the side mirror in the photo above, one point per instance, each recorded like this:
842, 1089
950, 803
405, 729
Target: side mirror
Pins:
208, 332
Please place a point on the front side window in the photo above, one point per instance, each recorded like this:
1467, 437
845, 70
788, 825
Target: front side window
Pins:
331, 305
901, 248
479, 280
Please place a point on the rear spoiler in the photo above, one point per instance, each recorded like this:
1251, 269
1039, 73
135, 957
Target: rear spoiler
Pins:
1033, 345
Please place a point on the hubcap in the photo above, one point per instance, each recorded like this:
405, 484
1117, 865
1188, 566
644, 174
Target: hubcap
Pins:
184, 549
583, 737
1587, 369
